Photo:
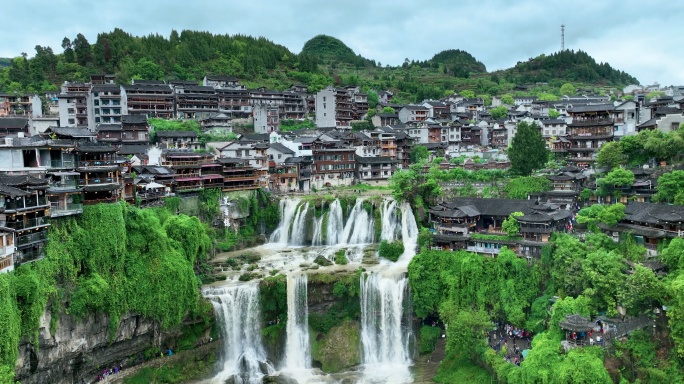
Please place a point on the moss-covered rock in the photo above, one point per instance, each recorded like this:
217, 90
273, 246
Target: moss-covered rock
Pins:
338, 349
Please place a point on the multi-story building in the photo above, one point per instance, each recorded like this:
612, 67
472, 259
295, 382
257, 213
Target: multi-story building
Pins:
238, 174
294, 104
100, 173
14, 126
14, 104
148, 98
266, 118
333, 166
73, 104
334, 108
591, 127
187, 166
220, 82
24, 213
195, 102
235, 102
413, 114
377, 169
179, 139
134, 130
105, 105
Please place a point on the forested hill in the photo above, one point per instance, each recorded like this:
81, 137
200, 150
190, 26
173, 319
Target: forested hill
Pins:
324, 60
329, 50
566, 66
5, 62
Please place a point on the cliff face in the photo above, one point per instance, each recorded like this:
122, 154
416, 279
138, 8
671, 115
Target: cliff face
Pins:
80, 348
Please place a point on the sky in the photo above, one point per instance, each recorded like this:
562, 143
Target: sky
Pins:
642, 38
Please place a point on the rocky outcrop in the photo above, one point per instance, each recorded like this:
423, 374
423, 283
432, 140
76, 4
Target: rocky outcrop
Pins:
340, 348
80, 348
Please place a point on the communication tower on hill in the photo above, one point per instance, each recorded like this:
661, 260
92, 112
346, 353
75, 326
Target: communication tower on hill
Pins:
562, 37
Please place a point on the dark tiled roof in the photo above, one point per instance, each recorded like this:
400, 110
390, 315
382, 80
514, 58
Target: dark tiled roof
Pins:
415, 107
22, 181
281, 148
133, 119
13, 122
108, 127
70, 132
255, 137
592, 108
653, 213
6, 190
133, 149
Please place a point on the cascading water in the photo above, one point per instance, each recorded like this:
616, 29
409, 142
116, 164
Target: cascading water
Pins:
335, 224
317, 238
409, 234
390, 223
360, 227
299, 225
237, 310
297, 349
288, 209
385, 338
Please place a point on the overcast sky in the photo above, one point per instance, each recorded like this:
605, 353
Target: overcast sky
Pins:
643, 38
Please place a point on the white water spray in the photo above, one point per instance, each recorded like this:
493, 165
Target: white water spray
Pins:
237, 310
297, 349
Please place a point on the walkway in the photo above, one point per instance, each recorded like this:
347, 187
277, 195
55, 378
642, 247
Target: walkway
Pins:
157, 363
425, 367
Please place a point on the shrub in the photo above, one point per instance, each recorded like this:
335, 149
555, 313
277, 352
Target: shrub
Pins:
391, 251
428, 338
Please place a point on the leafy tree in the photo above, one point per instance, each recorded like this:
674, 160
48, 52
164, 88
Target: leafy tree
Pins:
528, 150
68, 50
147, 70
468, 94
82, 49
610, 155
465, 330
507, 99
511, 225
373, 99
418, 154
641, 288
498, 113
603, 272
388, 110
670, 187
617, 178
553, 113
548, 97
654, 95
599, 213
567, 89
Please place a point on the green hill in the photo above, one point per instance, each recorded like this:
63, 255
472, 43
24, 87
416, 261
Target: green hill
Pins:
324, 60
5, 62
330, 50
566, 66
460, 62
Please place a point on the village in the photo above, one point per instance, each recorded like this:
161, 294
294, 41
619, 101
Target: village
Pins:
93, 143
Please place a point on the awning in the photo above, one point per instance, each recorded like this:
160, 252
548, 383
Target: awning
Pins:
154, 185
101, 187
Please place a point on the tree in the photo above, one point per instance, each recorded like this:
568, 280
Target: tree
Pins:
507, 99
468, 94
654, 95
147, 70
528, 150
418, 154
498, 113
373, 99
599, 213
511, 225
567, 89
548, 97
670, 187
68, 50
617, 178
521, 187
610, 155
553, 113
388, 110
82, 49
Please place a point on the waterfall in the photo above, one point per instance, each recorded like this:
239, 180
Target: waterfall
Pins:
297, 349
335, 224
409, 233
390, 225
317, 238
288, 208
360, 228
385, 340
238, 312
299, 225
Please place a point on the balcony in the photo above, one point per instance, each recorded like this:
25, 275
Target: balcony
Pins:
32, 238
61, 163
489, 250
98, 163
100, 180
6, 261
64, 185
25, 224
524, 229
61, 209
27, 203
589, 122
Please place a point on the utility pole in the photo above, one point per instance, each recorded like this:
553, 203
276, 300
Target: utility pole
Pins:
562, 37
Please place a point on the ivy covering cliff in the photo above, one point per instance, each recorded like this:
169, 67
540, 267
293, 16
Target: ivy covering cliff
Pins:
113, 259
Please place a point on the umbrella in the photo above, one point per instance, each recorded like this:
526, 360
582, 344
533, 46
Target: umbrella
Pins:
525, 352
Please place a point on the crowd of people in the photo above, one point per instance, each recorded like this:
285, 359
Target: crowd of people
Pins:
108, 372
514, 339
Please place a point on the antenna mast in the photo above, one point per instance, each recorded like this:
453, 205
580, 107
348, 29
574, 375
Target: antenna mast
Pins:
562, 37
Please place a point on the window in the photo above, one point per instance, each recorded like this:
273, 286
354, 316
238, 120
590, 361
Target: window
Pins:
72, 121
280, 156
97, 111
674, 126
97, 102
71, 111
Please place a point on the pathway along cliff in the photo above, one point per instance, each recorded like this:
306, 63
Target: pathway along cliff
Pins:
332, 311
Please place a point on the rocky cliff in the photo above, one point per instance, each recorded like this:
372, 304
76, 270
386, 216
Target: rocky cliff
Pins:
80, 348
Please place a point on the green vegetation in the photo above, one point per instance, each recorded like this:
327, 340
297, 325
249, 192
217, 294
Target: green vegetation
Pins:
522, 187
187, 125
428, 338
528, 150
329, 50
391, 250
177, 371
339, 347
295, 125
113, 259
341, 257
